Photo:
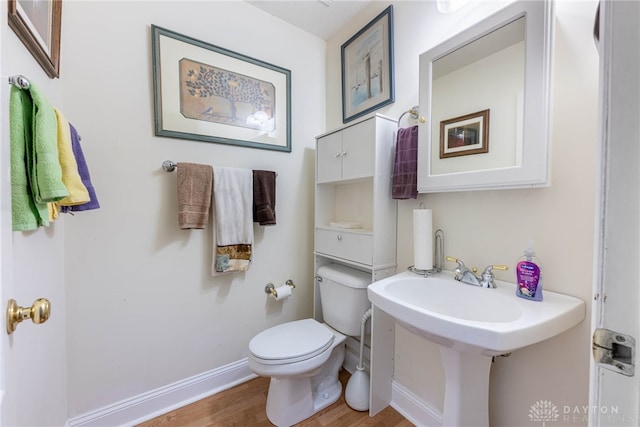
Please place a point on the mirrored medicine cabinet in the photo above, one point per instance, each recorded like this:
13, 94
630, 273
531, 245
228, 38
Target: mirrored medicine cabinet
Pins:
486, 97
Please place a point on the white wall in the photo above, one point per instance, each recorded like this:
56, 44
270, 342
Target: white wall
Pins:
143, 309
492, 227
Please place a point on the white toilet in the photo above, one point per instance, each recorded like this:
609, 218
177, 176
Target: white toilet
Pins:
303, 357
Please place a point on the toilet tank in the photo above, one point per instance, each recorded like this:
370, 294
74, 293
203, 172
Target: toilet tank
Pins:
343, 295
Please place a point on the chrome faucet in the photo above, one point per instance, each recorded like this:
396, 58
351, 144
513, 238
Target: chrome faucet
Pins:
463, 274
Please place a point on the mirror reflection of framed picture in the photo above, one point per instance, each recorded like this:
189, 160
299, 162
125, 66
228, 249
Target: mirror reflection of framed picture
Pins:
37, 24
465, 135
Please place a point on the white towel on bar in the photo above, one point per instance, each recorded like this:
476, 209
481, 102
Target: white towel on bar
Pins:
233, 204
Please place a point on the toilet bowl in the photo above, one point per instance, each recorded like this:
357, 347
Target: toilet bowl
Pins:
303, 359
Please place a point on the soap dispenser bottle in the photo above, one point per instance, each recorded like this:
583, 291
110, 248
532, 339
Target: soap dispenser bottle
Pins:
529, 275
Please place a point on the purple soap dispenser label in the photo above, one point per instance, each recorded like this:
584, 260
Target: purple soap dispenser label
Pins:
528, 275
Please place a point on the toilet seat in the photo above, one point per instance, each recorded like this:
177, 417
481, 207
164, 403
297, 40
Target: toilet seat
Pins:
291, 342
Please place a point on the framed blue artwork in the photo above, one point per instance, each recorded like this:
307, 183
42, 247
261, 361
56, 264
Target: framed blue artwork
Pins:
367, 68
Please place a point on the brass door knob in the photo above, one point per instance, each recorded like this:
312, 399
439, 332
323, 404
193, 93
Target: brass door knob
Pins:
39, 312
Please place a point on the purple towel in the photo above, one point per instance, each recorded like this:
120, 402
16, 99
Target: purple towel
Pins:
405, 165
83, 170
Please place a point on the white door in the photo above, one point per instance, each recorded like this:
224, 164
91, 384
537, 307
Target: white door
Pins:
33, 372
615, 384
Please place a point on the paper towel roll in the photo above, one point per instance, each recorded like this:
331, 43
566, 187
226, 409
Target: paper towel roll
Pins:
422, 239
283, 291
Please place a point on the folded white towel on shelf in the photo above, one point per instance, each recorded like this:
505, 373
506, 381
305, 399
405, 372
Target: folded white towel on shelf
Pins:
233, 207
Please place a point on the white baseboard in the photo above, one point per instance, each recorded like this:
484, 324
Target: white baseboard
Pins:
149, 405
413, 408
146, 406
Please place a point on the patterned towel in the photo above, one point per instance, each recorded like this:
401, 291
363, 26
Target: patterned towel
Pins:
233, 211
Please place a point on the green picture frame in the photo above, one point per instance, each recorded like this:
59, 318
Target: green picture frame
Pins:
207, 93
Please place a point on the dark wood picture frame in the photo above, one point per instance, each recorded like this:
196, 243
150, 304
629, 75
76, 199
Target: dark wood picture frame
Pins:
367, 68
41, 38
465, 135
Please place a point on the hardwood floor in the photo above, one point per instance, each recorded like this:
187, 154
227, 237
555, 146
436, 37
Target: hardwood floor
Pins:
244, 405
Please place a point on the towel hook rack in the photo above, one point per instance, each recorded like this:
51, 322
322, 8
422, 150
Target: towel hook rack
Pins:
19, 81
169, 165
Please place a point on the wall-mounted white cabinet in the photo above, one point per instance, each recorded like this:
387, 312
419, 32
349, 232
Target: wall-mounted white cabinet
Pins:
345, 154
355, 215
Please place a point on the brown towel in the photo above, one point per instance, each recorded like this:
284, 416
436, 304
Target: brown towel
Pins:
194, 194
264, 197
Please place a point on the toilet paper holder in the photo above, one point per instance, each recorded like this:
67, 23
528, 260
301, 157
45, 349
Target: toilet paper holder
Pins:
270, 289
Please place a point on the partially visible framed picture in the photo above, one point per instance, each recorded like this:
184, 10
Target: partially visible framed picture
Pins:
207, 93
465, 135
37, 24
367, 68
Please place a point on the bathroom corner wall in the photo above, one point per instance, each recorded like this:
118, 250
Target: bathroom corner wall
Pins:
492, 227
143, 309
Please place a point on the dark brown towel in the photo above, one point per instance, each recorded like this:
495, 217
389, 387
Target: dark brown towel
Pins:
264, 197
405, 166
194, 195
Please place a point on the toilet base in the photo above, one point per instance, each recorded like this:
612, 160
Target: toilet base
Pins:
291, 400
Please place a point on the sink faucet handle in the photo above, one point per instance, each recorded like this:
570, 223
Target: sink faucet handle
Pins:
460, 266
487, 275
452, 259
460, 269
497, 267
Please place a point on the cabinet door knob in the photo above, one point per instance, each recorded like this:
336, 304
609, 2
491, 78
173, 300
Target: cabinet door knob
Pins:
339, 237
338, 154
344, 153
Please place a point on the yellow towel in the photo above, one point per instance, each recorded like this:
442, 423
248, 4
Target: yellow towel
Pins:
54, 211
78, 193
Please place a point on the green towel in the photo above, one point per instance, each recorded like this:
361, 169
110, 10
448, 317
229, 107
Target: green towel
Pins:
43, 165
25, 213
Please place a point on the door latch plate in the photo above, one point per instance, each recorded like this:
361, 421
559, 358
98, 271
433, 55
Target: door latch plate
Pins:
614, 351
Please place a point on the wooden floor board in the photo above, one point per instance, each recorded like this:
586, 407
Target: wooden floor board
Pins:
244, 406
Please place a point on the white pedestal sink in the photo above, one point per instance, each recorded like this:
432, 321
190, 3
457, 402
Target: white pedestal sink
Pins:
470, 325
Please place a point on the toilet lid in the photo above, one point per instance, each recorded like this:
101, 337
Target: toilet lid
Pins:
291, 342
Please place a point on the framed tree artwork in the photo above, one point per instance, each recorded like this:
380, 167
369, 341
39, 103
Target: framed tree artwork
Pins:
207, 93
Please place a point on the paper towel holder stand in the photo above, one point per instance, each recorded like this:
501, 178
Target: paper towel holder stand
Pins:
270, 289
438, 257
